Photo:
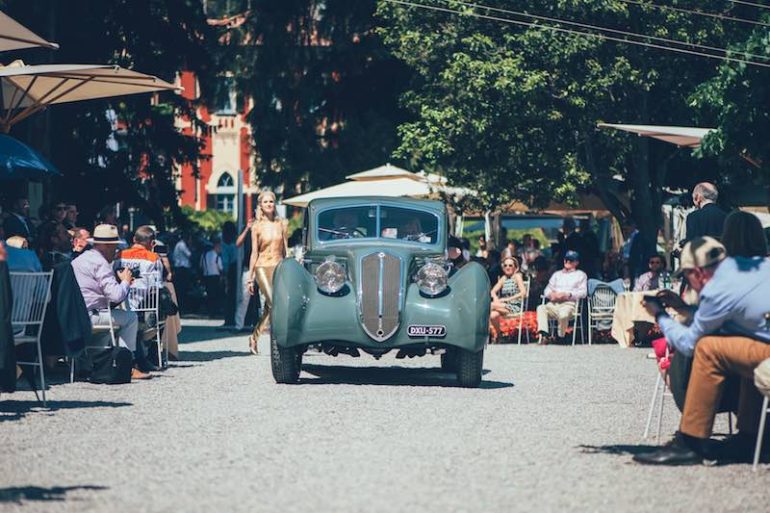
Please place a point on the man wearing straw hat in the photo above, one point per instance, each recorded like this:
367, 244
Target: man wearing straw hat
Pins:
94, 274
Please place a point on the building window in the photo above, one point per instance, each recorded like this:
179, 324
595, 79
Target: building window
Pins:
226, 203
223, 197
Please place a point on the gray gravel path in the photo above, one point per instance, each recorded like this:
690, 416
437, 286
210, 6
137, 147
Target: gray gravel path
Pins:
552, 429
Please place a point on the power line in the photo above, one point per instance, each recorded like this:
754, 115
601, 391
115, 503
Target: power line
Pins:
611, 30
698, 13
576, 32
752, 4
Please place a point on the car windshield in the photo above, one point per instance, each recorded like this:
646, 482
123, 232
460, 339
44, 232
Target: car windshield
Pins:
371, 222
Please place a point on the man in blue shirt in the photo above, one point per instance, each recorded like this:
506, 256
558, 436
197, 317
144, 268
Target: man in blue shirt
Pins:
729, 336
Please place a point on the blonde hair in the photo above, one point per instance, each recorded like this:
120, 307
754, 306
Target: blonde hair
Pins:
261, 215
514, 260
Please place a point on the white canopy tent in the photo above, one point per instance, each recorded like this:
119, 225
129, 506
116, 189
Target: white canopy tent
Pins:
385, 180
682, 136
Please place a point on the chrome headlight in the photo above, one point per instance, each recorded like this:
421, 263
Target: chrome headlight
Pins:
431, 279
330, 277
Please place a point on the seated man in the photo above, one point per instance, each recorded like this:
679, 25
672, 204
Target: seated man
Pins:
651, 279
146, 269
728, 336
564, 289
20, 258
142, 261
100, 288
80, 243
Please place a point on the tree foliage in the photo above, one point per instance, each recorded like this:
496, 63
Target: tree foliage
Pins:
737, 99
323, 87
512, 111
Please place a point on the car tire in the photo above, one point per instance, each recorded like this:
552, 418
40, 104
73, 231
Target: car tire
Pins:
469, 367
449, 361
285, 362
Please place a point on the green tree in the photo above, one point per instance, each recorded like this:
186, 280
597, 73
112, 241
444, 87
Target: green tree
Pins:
512, 111
324, 88
737, 98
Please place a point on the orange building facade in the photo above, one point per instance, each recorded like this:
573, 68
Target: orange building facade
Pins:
228, 150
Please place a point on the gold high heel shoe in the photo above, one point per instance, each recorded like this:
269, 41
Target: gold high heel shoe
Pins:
253, 344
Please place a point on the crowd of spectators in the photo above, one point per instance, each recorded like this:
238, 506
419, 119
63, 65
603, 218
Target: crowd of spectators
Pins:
92, 269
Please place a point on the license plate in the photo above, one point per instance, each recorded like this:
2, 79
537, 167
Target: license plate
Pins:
422, 330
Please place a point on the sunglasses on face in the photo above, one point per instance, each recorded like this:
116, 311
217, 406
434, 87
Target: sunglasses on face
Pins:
507, 265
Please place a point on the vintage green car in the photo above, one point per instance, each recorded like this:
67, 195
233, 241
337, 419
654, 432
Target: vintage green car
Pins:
374, 277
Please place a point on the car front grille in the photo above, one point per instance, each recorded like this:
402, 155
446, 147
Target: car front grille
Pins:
380, 291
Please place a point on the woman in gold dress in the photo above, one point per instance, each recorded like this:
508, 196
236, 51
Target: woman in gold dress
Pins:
269, 247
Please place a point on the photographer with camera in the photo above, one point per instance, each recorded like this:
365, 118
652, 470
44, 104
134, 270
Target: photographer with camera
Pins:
99, 287
728, 336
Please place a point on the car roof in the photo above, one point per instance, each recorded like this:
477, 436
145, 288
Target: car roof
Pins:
323, 203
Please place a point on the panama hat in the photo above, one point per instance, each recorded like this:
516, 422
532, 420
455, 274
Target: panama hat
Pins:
700, 252
106, 234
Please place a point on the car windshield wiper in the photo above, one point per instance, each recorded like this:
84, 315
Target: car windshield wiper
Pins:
345, 235
419, 236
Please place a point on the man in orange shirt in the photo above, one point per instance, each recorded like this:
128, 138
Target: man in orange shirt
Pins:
147, 269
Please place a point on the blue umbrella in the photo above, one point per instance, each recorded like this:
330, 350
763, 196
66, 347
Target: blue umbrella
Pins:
19, 161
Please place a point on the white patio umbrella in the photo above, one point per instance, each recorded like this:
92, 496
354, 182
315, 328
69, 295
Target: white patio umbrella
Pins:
25, 90
386, 171
385, 180
15, 36
391, 187
682, 136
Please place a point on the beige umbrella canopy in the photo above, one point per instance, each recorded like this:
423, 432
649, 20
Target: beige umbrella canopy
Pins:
682, 136
26, 90
385, 180
15, 36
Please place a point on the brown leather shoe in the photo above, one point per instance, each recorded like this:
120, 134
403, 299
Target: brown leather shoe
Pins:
137, 374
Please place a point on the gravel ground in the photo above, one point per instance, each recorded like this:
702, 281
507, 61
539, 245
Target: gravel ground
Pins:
551, 429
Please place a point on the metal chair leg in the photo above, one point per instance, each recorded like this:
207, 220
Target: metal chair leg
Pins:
760, 434
660, 409
41, 363
730, 423
652, 408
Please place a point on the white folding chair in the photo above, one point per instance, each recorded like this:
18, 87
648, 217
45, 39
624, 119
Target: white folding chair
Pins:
144, 299
577, 321
31, 294
601, 308
659, 394
760, 433
524, 304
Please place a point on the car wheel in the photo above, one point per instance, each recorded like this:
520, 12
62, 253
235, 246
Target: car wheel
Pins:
285, 362
469, 367
449, 361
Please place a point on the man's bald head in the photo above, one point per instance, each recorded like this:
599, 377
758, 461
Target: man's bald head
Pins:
704, 193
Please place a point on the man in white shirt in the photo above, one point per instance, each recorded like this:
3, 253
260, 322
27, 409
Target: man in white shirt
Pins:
565, 288
183, 275
211, 266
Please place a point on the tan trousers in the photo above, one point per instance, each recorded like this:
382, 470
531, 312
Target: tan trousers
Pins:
264, 276
173, 327
715, 359
562, 312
